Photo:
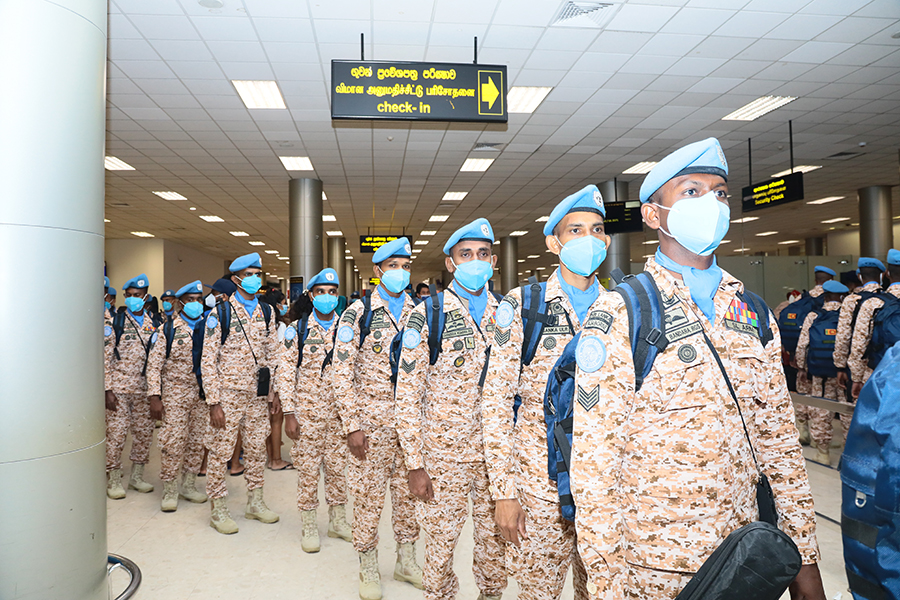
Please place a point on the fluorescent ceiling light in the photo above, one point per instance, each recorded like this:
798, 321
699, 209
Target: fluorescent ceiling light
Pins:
427, 232
724, 242
212, 219
239, 233
421, 242
837, 220
476, 164
525, 99
193, 208
540, 268
170, 195
648, 242
416, 250
327, 218
533, 256
142, 234
640, 168
543, 219
454, 196
826, 200
742, 249
324, 197
518, 233
257, 243
346, 251
259, 94
107, 221
521, 260
786, 242
296, 163
335, 233
766, 233
271, 251
745, 220
757, 108
111, 163
797, 169
438, 218
284, 258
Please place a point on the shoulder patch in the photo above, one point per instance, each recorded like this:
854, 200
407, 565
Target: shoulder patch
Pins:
290, 333
511, 300
590, 354
416, 321
107, 330
345, 334
599, 319
212, 322
411, 339
349, 316
505, 314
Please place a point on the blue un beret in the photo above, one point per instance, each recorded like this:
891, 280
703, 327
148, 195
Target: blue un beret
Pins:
587, 199
111, 291
866, 261
821, 269
168, 294
140, 282
105, 281
700, 157
324, 277
245, 262
893, 257
835, 287
398, 247
479, 229
195, 287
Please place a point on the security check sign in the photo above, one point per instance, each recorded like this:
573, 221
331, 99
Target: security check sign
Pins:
417, 91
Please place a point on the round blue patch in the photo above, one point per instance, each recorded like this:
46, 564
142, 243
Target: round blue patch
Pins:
212, 322
107, 330
411, 339
290, 333
345, 334
590, 354
504, 315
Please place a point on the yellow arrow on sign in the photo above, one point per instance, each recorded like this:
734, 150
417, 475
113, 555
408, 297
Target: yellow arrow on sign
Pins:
489, 92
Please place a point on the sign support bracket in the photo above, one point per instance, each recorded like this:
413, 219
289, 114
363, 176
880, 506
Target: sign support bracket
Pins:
475, 62
791, 142
362, 46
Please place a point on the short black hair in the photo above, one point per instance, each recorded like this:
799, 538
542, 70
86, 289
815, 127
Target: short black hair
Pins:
869, 273
420, 287
894, 273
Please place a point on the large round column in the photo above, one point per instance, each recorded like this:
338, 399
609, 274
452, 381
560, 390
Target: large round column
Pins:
348, 277
618, 255
509, 267
336, 255
815, 246
876, 235
305, 227
52, 430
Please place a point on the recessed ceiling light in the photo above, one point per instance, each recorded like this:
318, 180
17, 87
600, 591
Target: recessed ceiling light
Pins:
649, 255
193, 208
438, 218
346, 252
826, 200
797, 169
421, 242
757, 108
271, 251
742, 249
257, 243
335, 233
786, 242
521, 260
142, 234
239, 233
766, 233
543, 219
454, 196
640, 168
724, 242
518, 233
533, 256
212, 219
540, 268
284, 258
111, 163
107, 221
427, 232
521, 273
259, 94
745, 220
170, 195
837, 220
324, 197
416, 250
525, 99
476, 164
648, 242
296, 163
327, 218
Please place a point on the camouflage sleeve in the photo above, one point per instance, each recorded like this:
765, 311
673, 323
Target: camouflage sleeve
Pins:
155, 362
209, 360
780, 457
346, 353
859, 341
109, 344
803, 342
286, 369
604, 401
409, 401
498, 397
842, 339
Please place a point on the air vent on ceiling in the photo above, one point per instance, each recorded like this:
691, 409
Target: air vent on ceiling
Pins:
594, 15
844, 155
489, 147
120, 204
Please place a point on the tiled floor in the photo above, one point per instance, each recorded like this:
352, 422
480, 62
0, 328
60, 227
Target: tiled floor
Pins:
182, 558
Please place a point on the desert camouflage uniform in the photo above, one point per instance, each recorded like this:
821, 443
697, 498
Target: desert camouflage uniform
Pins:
844, 334
862, 336
230, 379
517, 452
361, 380
124, 376
804, 386
820, 429
186, 417
439, 423
660, 477
306, 391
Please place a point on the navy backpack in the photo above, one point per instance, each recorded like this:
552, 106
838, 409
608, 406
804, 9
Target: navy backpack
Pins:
822, 333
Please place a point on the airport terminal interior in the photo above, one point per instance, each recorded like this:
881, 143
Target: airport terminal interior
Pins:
311, 131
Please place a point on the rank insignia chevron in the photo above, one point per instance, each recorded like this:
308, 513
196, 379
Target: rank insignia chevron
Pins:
501, 337
588, 400
408, 366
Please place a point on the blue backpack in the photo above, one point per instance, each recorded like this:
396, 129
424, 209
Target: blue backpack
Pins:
790, 322
870, 476
647, 332
885, 330
822, 333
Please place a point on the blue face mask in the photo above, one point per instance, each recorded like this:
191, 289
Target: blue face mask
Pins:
193, 309
167, 306
283, 310
107, 305
251, 283
699, 224
326, 303
134, 304
582, 255
395, 280
473, 275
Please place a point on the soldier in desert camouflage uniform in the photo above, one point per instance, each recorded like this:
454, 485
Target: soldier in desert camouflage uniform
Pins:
660, 476
870, 272
361, 379
822, 274
439, 418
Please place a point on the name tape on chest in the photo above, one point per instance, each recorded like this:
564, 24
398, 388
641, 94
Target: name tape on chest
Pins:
740, 318
599, 319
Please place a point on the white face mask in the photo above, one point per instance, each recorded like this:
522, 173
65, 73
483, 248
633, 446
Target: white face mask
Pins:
698, 223
210, 301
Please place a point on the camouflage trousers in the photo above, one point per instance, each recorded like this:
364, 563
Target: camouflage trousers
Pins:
383, 466
248, 415
326, 447
443, 518
132, 411
650, 584
183, 436
820, 420
541, 562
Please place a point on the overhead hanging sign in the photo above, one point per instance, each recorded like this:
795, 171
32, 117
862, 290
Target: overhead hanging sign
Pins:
370, 243
773, 192
623, 217
418, 91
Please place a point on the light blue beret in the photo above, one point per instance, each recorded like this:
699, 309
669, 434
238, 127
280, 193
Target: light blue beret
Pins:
324, 277
105, 281
893, 257
140, 282
195, 287
700, 157
821, 269
245, 262
587, 199
398, 247
479, 229
835, 287
168, 294
866, 261
111, 291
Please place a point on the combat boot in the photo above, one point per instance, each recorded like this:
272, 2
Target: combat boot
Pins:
189, 490
257, 509
803, 429
137, 479
309, 536
114, 488
823, 457
337, 523
406, 568
221, 520
170, 496
369, 577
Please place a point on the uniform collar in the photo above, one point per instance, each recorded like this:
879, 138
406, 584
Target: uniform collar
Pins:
831, 306
378, 302
669, 286
555, 292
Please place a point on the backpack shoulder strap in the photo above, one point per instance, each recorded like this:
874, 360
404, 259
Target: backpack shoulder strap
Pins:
365, 319
646, 322
267, 313
169, 332
762, 315
119, 329
434, 316
329, 356
617, 275
534, 317
302, 331
223, 309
